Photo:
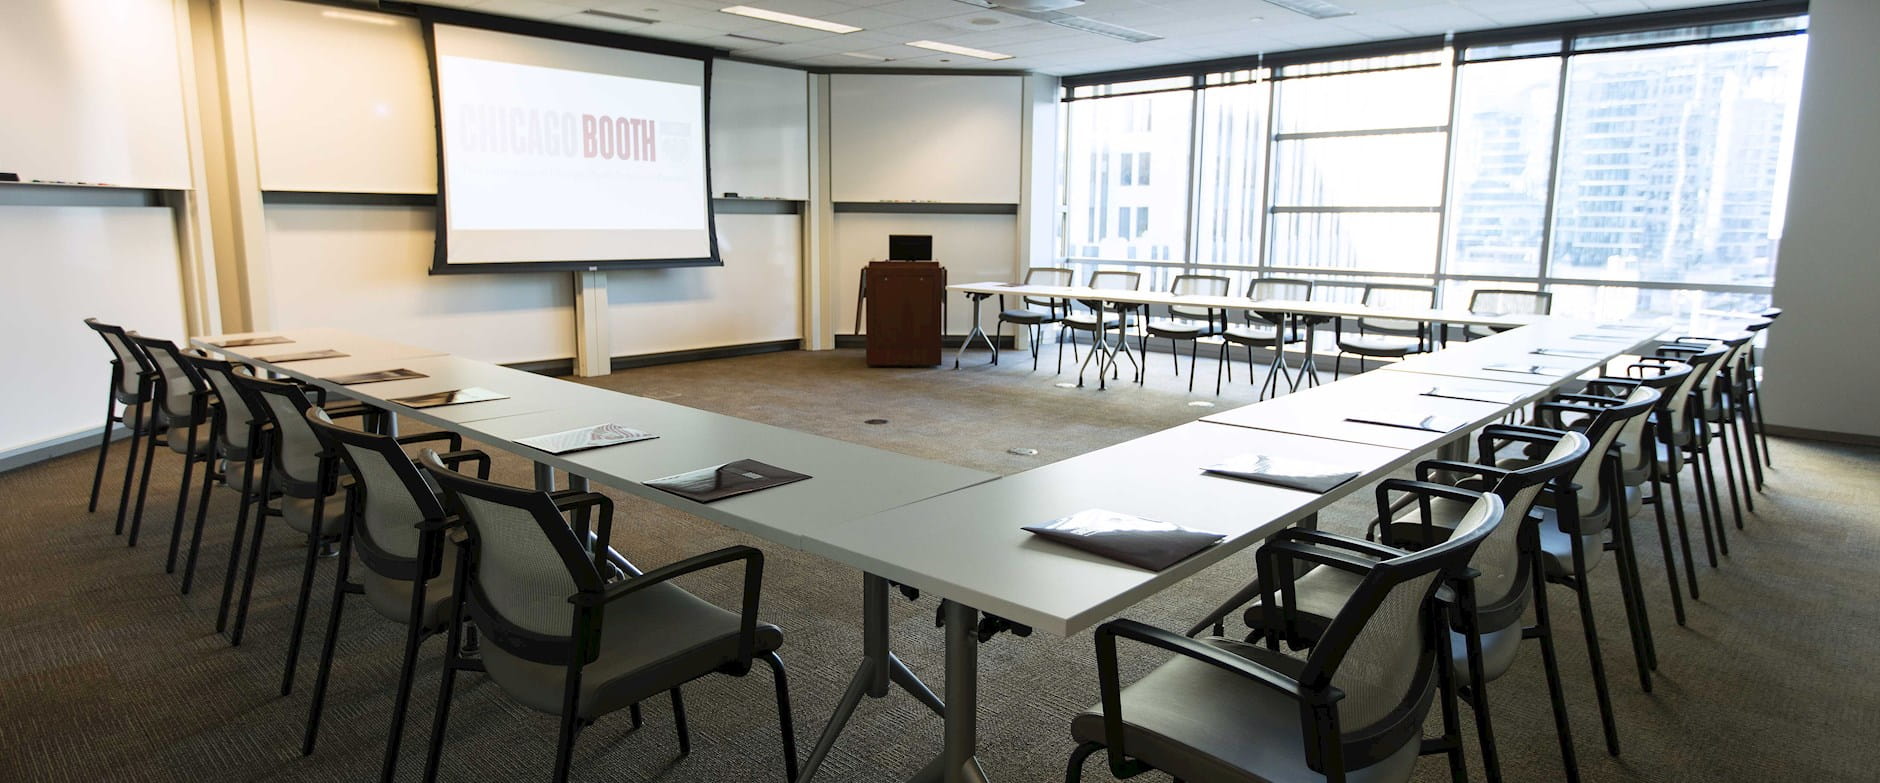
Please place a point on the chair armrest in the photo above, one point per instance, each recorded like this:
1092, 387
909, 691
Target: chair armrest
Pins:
455, 439
1429, 466
453, 459
1595, 399
1495, 434
753, 560
1423, 491
449, 522
1323, 538
584, 503
1679, 348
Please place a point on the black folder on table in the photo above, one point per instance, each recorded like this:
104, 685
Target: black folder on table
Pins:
1409, 421
728, 480
1128, 539
1283, 472
451, 397
325, 353
377, 376
244, 342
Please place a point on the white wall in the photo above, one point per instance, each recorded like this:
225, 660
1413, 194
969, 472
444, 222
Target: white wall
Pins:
1818, 360
760, 131
973, 248
63, 264
754, 298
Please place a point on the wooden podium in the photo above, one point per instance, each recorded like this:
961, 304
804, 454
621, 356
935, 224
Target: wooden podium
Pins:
904, 313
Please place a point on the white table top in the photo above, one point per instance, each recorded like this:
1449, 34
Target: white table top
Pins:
1322, 411
968, 546
356, 346
1337, 309
1562, 354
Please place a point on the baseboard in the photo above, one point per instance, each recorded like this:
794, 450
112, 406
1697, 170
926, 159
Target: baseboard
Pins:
1829, 436
561, 367
56, 447
1006, 343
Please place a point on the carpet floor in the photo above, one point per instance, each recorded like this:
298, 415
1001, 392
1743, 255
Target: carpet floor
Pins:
106, 673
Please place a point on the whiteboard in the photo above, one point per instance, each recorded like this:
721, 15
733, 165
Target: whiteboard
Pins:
342, 99
760, 131
925, 138
93, 91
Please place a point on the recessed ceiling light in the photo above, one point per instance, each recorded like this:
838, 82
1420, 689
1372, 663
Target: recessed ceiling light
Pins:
1117, 31
783, 18
965, 51
619, 16
1317, 9
860, 56
351, 16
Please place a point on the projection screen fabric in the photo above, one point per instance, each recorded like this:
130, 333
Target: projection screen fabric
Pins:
561, 153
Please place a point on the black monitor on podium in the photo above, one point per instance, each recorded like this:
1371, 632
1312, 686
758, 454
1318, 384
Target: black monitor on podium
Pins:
910, 247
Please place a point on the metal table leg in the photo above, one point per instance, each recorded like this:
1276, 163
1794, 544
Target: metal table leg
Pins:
879, 669
544, 477
959, 759
978, 331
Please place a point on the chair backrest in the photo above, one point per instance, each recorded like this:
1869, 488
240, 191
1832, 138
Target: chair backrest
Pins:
1381, 647
1603, 430
526, 563
1677, 423
1292, 289
239, 410
296, 449
131, 362
1504, 585
1112, 280
1505, 301
176, 380
394, 500
1635, 447
1197, 285
1397, 296
1047, 275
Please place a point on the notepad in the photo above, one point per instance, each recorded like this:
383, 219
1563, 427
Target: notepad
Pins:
1567, 353
1126, 538
324, 353
728, 480
451, 397
1285, 472
243, 342
1409, 421
377, 376
1476, 394
1528, 369
592, 437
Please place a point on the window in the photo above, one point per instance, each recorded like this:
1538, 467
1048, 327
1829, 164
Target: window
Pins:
1633, 173
1113, 145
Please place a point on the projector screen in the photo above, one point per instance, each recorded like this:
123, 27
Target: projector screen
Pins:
557, 155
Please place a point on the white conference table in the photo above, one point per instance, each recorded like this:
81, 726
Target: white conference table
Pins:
1326, 411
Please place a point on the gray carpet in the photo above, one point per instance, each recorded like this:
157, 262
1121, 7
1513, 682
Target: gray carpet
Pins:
106, 673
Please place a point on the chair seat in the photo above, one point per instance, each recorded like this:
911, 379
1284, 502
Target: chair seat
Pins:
392, 597
1027, 317
1183, 330
1557, 546
1088, 321
1259, 334
298, 513
651, 641
1199, 723
1319, 595
1379, 345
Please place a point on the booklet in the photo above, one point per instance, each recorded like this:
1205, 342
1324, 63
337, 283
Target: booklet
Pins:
582, 438
728, 480
377, 376
1283, 472
243, 342
451, 397
1476, 394
324, 353
1143, 543
1567, 353
1409, 421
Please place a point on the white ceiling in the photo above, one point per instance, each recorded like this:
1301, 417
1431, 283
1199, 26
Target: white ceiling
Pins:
1191, 29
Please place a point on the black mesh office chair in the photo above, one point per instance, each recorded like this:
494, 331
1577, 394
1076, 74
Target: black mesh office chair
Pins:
1386, 338
1189, 323
560, 637
1223, 710
181, 400
132, 384
1031, 319
1506, 301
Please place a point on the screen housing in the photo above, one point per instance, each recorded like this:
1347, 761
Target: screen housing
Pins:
430, 16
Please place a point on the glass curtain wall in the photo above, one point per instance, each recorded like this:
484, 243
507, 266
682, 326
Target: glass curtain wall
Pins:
1633, 175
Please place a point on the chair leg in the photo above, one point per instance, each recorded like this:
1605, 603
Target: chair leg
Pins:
1582, 587
235, 541
1664, 541
1748, 430
1636, 621
104, 447
1722, 442
1074, 773
1194, 347
182, 500
1448, 690
414, 636
326, 657
248, 579
1684, 533
195, 535
1543, 631
130, 467
786, 722
1478, 699
447, 683
678, 720
1696, 464
1222, 363
1708, 470
1734, 428
570, 723
306, 596
143, 485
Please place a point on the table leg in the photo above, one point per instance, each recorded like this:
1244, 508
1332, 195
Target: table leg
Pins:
544, 477
1308, 367
977, 331
879, 669
579, 483
959, 759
